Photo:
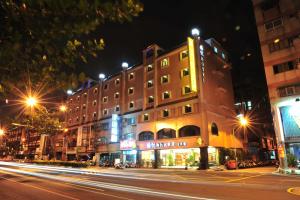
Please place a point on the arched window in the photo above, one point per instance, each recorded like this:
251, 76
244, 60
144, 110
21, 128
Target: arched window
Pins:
214, 129
189, 130
166, 133
146, 135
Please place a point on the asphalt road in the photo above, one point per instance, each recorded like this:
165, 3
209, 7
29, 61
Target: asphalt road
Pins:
24, 181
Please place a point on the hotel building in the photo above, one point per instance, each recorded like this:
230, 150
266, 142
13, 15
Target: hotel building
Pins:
278, 24
174, 109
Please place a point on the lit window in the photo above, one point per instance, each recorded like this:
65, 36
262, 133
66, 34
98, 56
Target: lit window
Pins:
164, 62
145, 117
187, 108
117, 81
183, 54
105, 86
130, 90
185, 72
164, 79
150, 83
105, 112
149, 68
215, 49
131, 104
131, 76
117, 108
165, 113
186, 90
150, 99
117, 95
105, 99
94, 102
166, 95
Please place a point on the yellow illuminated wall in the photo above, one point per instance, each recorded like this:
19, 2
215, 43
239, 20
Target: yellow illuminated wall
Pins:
192, 62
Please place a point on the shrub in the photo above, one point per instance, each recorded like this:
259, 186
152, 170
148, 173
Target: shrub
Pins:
62, 163
291, 160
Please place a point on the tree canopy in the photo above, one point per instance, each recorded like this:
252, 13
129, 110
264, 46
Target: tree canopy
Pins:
46, 39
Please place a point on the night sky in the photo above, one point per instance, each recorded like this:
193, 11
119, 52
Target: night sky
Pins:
168, 23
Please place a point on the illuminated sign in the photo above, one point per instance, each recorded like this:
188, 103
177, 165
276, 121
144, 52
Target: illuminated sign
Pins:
192, 62
156, 145
114, 128
202, 62
280, 151
127, 144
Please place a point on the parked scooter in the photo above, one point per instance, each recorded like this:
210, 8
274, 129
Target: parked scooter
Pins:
119, 166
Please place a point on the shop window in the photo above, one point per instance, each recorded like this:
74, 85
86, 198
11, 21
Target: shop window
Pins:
150, 84
131, 76
164, 79
117, 95
165, 113
189, 130
164, 62
146, 135
214, 129
166, 95
149, 68
186, 90
187, 109
117, 81
150, 99
105, 99
185, 72
130, 90
183, 54
166, 133
146, 117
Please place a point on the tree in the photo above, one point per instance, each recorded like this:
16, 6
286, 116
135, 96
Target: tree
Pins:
45, 39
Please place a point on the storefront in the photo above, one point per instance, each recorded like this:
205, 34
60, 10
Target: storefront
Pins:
179, 157
129, 152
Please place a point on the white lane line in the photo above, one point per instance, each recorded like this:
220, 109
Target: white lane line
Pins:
110, 186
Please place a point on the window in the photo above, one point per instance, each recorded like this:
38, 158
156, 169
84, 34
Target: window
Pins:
105, 99
85, 95
166, 133
95, 91
131, 104
77, 119
187, 109
150, 99
117, 108
186, 90
165, 113
189, 130
83, 118
94, 102
94, 115
146, 117
117, 95
166, 95
283, 67
83, 106
185, 72
281, 44
164, 79
131, 76
271, 25
117, 81
164, 62
289, 90
105, 86
146, 135
183, 54
77, 109
130, 90
215, 49
78, 98
105, 112
131, 121
149, 68
214, 129
149, 83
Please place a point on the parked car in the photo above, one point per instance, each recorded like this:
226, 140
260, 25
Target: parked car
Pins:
231, 164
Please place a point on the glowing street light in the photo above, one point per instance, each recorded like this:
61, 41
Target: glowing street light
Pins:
244, 121
31, 101
1, 132
125, 65
195, 32
69, 92
101, 76
63, 108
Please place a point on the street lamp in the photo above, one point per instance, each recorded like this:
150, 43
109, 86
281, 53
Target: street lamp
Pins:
31, 101
195, 32
63, 108
125, 65
101, 76
69, 92
1, 132
242, 122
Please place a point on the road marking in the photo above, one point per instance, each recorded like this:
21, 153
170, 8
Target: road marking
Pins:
43, 189
248, 177
294, 191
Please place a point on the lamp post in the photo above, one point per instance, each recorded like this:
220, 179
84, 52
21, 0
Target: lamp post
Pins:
242, 122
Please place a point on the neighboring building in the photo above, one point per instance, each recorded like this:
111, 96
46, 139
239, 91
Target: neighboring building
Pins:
174, 109
278, 24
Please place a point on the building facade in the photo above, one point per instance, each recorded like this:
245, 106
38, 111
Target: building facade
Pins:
278, 24
174, 109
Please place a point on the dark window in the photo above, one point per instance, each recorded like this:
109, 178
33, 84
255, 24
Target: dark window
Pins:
150, 99
131, 76
269, 26
187, 109
165, 79
185, 72
149, 53
149, 68
186, 90
283, 67
117, 109
165, 113
183, 54
131, 104
146, 135
116, 95
117, 81
189, 130
150, 84
166, 133
145, 117
166, 95
130, 90
214, 129
105, 86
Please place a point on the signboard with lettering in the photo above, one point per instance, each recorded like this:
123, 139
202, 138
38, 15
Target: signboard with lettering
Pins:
127, 144
176, 143
114, 128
